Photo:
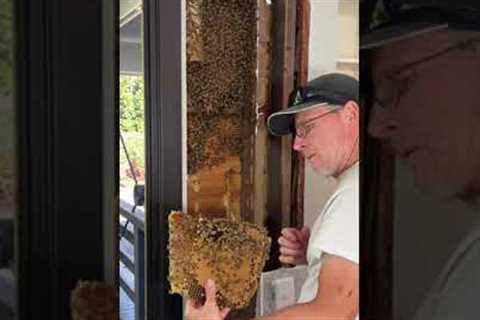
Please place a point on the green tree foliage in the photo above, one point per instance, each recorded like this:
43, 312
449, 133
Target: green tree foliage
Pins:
7, 137
132, 124
131, 104
6, 47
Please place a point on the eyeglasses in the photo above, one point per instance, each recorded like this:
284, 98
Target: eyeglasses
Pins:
391, 91
306, 127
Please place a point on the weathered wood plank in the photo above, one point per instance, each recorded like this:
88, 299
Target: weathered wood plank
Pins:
280, 153
216, 190
298, 163
263, 105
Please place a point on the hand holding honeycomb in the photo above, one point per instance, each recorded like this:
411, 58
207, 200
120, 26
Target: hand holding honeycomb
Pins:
231, 253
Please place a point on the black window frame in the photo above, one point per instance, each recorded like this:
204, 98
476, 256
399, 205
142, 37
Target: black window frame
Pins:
62, 181
67, 73
163, 128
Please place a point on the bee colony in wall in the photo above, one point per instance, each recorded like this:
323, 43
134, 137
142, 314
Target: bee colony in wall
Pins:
221, 106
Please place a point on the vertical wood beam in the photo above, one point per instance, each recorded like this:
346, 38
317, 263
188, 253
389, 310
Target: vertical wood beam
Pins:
298, 161
280, 156
263, 105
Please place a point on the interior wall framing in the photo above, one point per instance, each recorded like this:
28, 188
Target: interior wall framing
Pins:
221, 90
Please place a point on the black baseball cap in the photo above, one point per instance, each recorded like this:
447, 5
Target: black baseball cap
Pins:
396, 20
328, 89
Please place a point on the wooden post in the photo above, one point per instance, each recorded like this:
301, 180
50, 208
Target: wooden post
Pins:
263, 105
280, 153
298, 161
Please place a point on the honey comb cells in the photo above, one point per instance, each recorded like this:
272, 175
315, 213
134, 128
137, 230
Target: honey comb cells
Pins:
211, 140
231, 253
221, 80
93, 301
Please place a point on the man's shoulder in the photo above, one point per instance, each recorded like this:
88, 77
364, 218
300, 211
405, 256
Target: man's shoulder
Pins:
346, 193
349, 180
464, 262
343, 204
454, 295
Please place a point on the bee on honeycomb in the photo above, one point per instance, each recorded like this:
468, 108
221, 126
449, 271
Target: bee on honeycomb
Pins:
231, 253
221, 79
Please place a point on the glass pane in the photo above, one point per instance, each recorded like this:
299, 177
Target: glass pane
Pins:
132, 161
8, 210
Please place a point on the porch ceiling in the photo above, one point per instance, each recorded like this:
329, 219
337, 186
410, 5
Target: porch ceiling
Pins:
131, 62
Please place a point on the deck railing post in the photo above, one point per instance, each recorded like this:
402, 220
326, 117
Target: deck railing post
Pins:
139, 244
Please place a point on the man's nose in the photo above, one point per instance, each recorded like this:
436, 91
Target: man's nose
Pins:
298, 143
381, 124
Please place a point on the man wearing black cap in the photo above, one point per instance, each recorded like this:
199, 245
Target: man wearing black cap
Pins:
425, 73
324, 118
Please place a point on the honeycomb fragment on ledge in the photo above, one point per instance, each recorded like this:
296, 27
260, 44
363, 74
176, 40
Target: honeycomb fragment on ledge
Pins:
93, 300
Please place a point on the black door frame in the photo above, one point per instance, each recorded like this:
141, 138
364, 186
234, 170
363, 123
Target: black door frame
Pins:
61, 154
67, 110
163, 115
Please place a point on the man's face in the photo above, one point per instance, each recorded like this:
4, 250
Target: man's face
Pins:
327, 138
429, 112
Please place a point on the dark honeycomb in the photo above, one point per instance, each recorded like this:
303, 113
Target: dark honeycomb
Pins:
221, 81
232, 253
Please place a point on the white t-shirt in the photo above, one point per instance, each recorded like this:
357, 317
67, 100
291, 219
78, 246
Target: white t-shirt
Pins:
455, 294
335, 231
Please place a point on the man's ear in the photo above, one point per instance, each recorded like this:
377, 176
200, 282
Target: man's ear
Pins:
351, 111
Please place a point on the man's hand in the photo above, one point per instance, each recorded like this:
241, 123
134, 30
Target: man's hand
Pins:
293, 246
210, 310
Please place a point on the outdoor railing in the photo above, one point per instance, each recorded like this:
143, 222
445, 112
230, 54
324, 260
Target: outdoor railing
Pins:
132, 255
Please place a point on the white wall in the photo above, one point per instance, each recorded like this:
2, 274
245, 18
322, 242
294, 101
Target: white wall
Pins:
333, 47
323, 37
322, 59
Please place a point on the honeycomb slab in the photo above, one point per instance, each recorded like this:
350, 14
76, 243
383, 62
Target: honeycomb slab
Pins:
231, 253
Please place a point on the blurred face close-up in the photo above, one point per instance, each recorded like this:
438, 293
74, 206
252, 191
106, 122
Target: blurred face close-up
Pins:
426, 106
327, 138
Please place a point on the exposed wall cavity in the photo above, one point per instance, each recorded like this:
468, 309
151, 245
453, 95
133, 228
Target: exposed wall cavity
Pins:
221, 89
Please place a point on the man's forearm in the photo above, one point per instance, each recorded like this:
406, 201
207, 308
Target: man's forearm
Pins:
305, 311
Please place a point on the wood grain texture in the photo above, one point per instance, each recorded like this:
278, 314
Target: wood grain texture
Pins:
216, 191
280, 151
298, 161
263, 106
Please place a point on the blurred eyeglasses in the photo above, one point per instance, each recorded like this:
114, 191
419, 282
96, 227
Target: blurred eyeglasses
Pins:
389, 92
